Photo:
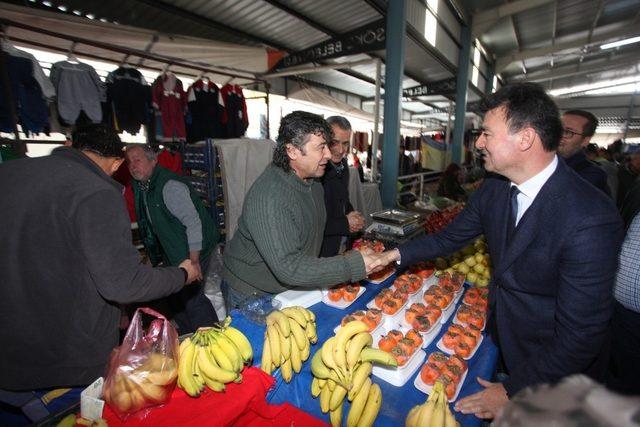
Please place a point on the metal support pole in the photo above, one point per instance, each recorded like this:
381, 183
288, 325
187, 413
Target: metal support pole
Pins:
462, 86
396, 25
376, 121
266, 86
629, 115
447, 135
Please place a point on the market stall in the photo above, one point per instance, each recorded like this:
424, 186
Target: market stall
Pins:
397, 401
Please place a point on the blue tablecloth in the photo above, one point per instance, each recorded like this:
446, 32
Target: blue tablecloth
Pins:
396, 401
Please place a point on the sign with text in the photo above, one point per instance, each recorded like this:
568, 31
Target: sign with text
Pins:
367, 38
440, 87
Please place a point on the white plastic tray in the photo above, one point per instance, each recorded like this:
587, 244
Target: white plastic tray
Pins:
444, 349
427, 336
420, 385
400, 375
457, 322
377, 282
305, 298
390, 319
342, 304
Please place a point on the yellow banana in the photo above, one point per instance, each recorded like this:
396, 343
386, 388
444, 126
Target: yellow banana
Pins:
278, 318
438, 411
298, 333
310, 330
296, 361
310, 315
213, 384
449, 419
425, 415
274, 344
185, 372
195, 368
321, 382
412, 417
337, 397
184, 344
285, 346
241, 341
231, 350
358, 404
372, 407
296, 315
342, 337
360, 376
369, 354
355, 346
327, 353
209, 368
265, 360
335, 415
318, 368
220, 356
331, 384
325, 397
285, 370
315, 387
304, 352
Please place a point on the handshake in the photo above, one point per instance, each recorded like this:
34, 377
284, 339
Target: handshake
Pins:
376, 261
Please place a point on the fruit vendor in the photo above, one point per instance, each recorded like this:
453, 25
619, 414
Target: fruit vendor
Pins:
174, 225
554, 241
281, 227
67, 263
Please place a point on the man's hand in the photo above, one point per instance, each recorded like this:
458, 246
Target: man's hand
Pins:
485, 403
194, 256
192, 271
390, 256
356, 221
372, 261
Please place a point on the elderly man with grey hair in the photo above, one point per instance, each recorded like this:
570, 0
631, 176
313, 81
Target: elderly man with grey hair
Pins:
174, 225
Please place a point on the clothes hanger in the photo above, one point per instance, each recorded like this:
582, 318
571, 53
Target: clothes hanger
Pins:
70, 55
123, 63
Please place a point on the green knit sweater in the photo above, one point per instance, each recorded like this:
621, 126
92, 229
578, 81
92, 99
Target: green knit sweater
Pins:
278, 239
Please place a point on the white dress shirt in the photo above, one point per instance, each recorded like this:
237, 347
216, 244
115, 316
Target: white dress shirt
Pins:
531, 187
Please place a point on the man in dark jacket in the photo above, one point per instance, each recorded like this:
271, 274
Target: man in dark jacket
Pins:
174, 225
578, 128
342, 220
67, 263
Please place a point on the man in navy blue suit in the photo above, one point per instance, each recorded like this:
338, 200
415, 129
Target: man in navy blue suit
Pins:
554, 242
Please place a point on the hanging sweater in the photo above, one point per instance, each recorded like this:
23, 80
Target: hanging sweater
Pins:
278, 239
78, 88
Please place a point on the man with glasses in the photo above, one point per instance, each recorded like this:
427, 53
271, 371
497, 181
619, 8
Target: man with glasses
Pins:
578, 128
342, 220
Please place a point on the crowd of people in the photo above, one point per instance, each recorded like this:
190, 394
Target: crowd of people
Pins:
565, 295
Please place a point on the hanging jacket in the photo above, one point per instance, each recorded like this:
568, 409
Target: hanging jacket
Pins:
25, 94
235, 118
78, 88
206, 110
43, 81
164, 236
128, 99
170, 100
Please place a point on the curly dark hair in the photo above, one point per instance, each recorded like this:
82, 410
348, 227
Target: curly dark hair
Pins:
98, 138
295, 129
527, 104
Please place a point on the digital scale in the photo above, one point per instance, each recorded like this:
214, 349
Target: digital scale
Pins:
396, 226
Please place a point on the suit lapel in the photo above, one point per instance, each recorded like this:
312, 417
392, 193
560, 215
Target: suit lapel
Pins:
540, 212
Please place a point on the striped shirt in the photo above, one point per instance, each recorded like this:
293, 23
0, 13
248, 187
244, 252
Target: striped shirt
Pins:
627, 287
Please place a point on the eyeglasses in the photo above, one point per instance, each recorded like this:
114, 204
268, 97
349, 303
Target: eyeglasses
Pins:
568, 133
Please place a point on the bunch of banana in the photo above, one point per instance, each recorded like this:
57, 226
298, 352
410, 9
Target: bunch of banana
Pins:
213, 357
342, 369
434, 412
287, 341
149, 384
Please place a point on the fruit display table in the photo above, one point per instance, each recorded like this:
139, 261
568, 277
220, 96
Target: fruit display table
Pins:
396, 401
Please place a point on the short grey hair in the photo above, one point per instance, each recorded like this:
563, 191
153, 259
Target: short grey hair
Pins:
148, 151
339, 121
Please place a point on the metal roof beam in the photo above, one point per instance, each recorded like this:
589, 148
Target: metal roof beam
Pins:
576, 69
174, 10
626, 30
277, 4
484, 20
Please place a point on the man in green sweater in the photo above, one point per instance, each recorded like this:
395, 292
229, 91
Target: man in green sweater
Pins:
280, 230
174, 225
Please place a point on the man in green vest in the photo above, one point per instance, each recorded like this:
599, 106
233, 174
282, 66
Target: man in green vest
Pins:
174, 225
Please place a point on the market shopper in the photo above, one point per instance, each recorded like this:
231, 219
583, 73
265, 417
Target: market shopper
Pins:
280, 230
579, 126
174, 224
342, 219
67, 263
624, 373
553, 239
449, 185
